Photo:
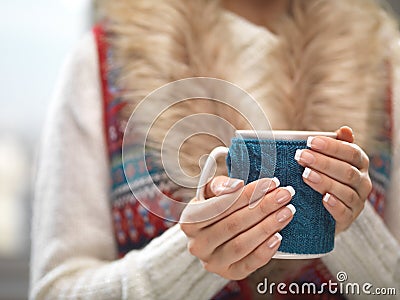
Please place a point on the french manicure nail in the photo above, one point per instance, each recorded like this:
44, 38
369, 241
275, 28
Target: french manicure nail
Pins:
226, 186
274, 240
292, 208
316, 143
286, 213
305, 157
309, 141
267, 185
233, 183
297, 155
277, 182
306, 173
290, 189
330, 200
326, 197
282, 196
311, 175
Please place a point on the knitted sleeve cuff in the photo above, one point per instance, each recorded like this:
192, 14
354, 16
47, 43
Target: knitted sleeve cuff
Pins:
166, 270
367, 252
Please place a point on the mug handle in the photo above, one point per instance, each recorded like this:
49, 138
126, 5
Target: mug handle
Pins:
206, 175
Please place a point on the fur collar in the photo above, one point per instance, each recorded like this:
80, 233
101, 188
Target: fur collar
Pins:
327, 66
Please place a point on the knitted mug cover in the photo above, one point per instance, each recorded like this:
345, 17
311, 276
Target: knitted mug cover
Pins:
312, 229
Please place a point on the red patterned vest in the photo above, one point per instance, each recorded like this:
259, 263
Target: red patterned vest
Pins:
135, 227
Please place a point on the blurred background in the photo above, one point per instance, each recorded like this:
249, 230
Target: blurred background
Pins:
35, 38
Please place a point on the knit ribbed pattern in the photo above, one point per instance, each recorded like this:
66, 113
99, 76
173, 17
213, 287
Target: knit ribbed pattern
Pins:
312, 229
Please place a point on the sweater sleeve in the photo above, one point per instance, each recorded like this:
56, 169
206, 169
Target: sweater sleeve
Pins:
73, 248
369, 252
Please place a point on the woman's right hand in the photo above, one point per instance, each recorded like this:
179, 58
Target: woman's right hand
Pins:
244, 237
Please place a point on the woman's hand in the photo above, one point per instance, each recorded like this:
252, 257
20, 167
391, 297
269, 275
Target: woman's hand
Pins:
338, 169
244, 237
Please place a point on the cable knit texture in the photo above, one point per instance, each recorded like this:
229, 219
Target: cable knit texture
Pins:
312, 229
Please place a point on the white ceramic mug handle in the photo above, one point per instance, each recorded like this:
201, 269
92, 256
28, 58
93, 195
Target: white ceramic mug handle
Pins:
206, 175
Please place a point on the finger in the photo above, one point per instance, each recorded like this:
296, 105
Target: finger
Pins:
332, 167
342, 214
242, 245
243, 219
340, 150
222, 185
256, 259
324, 184
345, 133
214, 209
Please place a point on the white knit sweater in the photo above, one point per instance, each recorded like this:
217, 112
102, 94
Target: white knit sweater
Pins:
73, 246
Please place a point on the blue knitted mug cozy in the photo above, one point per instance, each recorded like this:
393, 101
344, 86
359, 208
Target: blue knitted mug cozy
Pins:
312, 230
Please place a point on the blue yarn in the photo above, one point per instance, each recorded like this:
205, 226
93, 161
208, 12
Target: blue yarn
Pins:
312, 229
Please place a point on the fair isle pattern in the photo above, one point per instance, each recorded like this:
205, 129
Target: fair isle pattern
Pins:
134, 225
380, 177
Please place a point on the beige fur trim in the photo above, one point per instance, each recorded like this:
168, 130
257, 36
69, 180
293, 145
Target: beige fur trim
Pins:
327, 68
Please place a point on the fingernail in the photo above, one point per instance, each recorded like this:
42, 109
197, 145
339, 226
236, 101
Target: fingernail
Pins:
309, 141
292, 208
316, 143
267, 185
277, 182
290, 189
330, 200
274, 240
229, 185
298, 153
312, 176
286, 213
305, 157
282, 196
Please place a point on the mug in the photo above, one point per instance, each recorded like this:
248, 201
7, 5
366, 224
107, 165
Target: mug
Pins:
254, 155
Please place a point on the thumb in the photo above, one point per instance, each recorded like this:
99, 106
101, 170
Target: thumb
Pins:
221, 185
345, 133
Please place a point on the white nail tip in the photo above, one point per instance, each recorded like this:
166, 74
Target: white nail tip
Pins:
277, 182
274, 241
292, 208
219, 189
309, 141
290, 189
326, 197
236, 183
297, 156
278, 236
306, 172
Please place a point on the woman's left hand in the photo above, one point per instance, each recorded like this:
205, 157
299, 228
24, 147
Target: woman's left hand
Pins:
338, 169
